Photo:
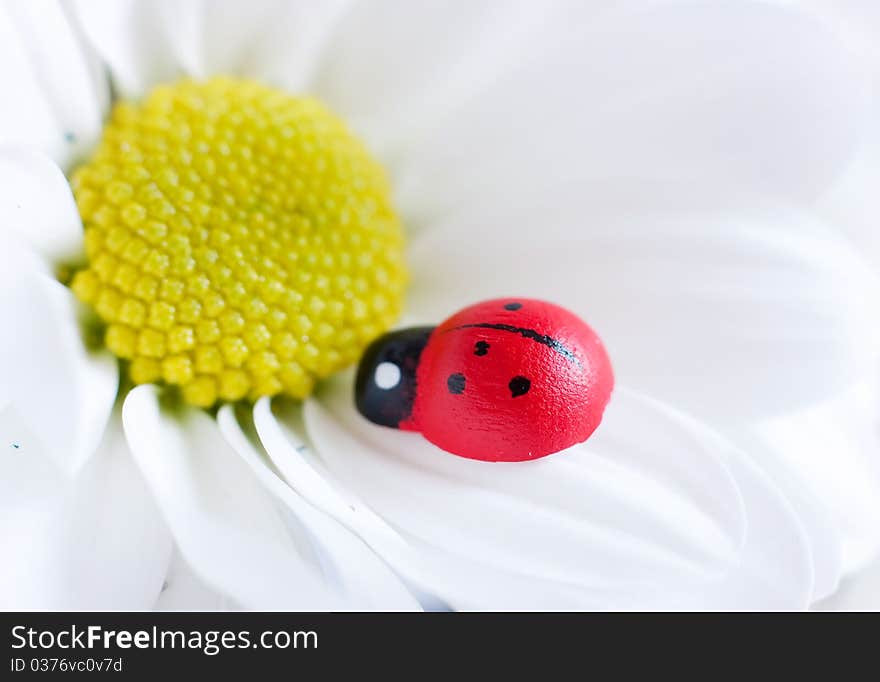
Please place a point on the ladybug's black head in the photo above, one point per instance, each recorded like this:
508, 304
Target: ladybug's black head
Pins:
385, 388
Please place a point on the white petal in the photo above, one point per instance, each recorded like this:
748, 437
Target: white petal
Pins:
53, 100
131, 36
859, 592
226, 527
280, 429
823, 536
115, 536
30, 119
776, 566
632, 511
150, 42
62, 391
390, 66
271, 40
832, 448
369, 582
858, 20
183, 590
91, 541
853, 203
773, 571
651, 92
293, 45
36, 205
31, 506
728, 313
217, 36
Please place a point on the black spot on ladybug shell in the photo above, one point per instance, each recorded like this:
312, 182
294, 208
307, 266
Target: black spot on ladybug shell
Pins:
481, 348
513, 306
519, 386
455, 383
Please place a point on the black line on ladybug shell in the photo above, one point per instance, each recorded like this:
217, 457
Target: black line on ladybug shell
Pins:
543, 339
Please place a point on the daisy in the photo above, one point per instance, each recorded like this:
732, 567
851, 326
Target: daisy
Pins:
656, 168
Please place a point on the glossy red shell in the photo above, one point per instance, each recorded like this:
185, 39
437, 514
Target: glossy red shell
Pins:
470, 381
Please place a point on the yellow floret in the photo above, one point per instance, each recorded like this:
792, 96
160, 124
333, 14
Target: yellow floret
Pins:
241, 242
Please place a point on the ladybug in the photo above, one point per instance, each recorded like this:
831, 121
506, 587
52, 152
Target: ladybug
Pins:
505, 380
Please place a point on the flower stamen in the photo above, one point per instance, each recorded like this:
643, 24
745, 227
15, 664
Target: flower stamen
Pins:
241, 242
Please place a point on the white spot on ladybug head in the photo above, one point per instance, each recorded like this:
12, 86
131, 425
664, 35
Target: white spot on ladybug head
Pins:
387, 375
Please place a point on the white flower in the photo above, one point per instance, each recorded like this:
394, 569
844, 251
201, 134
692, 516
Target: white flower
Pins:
657, 168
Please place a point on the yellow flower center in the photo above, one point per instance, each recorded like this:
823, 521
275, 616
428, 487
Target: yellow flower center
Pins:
241, 242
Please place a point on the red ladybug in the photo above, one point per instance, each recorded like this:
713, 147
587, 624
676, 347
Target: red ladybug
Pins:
507, 380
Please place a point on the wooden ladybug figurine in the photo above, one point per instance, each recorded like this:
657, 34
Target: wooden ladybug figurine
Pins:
504, 380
